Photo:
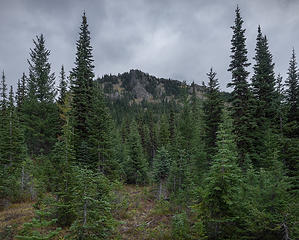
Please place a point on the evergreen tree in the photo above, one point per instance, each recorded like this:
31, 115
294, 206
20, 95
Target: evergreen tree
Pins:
4, 124
62, 86
279, 103
81, 88
41, 81
136, 167
100, 136
16, 149
241, 93
213, 110
40, 114
292, 98
263, 81
21, 92
161, 166
164, 132
220, 198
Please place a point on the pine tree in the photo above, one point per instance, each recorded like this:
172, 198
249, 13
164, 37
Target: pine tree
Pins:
292, 98
100, 136
40, 113
4, 124
164, 132
263, 82
62, 86
161, 166
21, 92
279, 103
81, 87
220, 197
136, 167
241, 93
41, 81
213, 111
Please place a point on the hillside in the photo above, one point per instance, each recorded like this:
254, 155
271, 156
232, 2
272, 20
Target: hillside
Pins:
138, 86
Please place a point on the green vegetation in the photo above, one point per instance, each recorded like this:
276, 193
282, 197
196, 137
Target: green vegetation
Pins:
97, 165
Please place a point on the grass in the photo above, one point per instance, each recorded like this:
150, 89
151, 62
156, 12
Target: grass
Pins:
13, 217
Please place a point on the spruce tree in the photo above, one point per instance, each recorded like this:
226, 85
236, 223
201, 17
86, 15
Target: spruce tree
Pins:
161, 166
136, 167
81, 88
220, 198
40, 81
212, 112
4, 124
40, 113
100, 136
241, 95
263, 82
21, 91
62, 86
292, 98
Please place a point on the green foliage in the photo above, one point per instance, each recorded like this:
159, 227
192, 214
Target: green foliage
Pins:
40, 228
136, 166
212, 107
92, 205
180, 227
161, 165
39, 113
219, 204
81, 88
241, 94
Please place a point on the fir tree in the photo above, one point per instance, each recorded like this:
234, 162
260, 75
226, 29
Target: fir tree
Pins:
136, 167
213, 110
263, 82
161, 166
241, 93
81, 87
4, 124
62, 86
40, 114
21, 91
220, 198
164, 132
292, 98
41, 81
100, 136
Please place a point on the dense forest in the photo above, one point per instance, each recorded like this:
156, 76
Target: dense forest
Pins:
90, 161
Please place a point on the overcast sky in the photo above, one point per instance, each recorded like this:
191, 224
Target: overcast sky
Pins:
178, 39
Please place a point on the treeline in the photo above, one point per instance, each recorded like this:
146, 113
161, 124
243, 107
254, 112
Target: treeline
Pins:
230, 170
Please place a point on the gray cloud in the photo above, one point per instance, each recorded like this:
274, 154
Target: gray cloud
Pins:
167, 38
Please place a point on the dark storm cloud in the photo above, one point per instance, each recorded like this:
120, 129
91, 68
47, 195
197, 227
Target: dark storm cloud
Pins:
167, 38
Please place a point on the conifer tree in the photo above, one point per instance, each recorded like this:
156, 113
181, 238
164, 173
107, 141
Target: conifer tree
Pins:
241, 93
292, 98
213, 110
220, 203
21, 91
100, 136
164, 131
81, 88
136, 167
4, 124
62, 86
161, 166
40, 113
263, 81
40, 81
279, 102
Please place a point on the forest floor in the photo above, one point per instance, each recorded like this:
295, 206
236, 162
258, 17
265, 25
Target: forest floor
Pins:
141, 216
13, 217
